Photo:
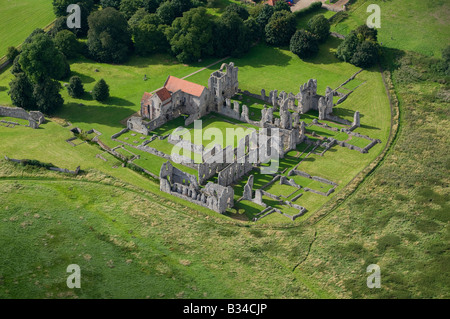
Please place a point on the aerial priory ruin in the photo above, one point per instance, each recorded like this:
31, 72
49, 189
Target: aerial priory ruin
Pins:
283, 133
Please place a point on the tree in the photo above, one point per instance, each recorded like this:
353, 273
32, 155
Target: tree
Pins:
12, 53
149, 36
75, 88
109, 39
32, 34
348, 47
281, 6
16, 68
151, 5
254, 29
67, 43
171, 9
281, 27
60, 7
360, 47
129, 7
40, 59
239, 9
365, 33
100, 91
59, 25
46, 95
110, 3
231, 35
167, 12
86, 7
264, 15
190, 36
134, 21
21, 92
366, 54
320, 27
304, 44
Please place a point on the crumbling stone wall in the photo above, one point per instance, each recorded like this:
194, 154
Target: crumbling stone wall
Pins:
35, 118
185, 186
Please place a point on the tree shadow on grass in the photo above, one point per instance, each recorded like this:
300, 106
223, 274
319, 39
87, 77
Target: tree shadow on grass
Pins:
326, 54
339, 111
3, 88
94, 114
114, 100
259, 56
84, 78
370, 127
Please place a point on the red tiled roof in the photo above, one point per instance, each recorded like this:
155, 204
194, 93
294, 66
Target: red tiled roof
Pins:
163, 94
146, 97
174, 84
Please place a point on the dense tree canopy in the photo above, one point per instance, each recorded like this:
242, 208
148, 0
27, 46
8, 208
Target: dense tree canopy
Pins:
264, 15
190, 36
86, 6
281, 27
365, 33
149, 35
167, 12
59, 25
304, 44
67, 43
46, 95
129, 7
109, 38
366, 54
241, 11
281, 6
360, 47
320, 27
12, 53
110, 3
348, 47
40, 59
21, 92
231, 36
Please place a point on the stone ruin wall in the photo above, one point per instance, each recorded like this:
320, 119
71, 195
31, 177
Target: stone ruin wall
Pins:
185, 186
35, 118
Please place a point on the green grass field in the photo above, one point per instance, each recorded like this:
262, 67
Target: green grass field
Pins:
18, 18
133, 241
414, 25
127, 86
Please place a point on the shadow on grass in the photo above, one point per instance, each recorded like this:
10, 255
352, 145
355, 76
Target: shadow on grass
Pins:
262, 55
114, 100
3, 88
326, 54
340, 111
84, 78
94, 114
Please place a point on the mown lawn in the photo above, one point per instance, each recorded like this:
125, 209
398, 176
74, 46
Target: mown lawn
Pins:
18, 18
415, 25
264, 67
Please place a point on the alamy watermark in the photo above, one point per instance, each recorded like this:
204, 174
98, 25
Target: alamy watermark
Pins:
74, 19
74, 280
374, 279
374, 20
